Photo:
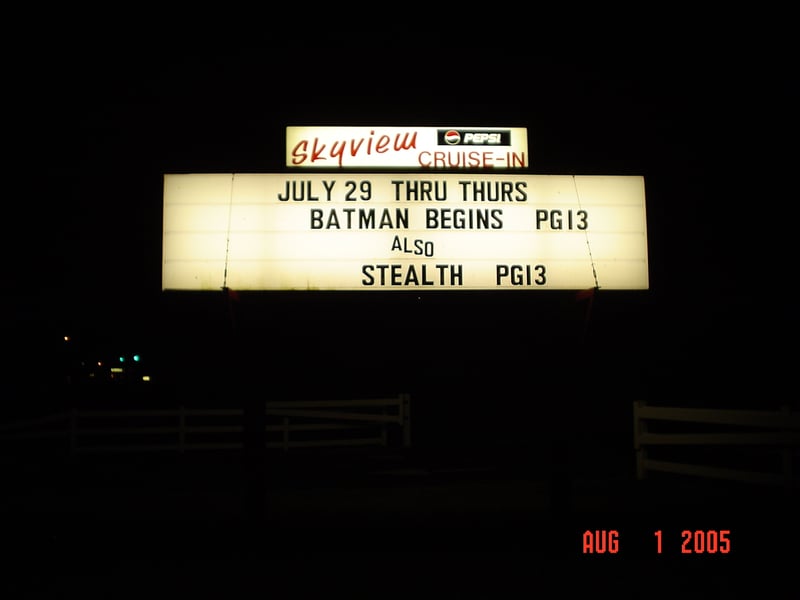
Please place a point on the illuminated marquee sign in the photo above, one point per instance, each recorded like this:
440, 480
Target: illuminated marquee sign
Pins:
407, 147
359, 231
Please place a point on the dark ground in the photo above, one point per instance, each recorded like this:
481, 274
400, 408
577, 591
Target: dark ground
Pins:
448, 521
521, 442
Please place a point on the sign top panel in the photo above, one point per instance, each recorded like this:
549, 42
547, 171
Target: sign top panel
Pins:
425, 148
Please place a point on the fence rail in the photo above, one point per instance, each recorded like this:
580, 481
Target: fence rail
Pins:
779, 431
289, 424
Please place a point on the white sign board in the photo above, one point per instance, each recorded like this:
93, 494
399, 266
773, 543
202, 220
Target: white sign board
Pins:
370, 231
494, 148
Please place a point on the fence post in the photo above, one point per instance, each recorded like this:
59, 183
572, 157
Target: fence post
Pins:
385, 426
405, 407
639, 427
73, 431
181, 429
787, 451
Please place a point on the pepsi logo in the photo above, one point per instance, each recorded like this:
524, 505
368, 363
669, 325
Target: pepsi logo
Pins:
452, 137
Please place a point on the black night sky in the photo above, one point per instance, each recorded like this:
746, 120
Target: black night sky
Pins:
103, 119
706, 115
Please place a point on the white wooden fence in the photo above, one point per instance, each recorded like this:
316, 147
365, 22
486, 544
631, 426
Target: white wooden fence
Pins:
777, 430
289, 424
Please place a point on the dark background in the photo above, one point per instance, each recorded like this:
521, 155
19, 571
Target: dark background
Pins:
702, 107
699, 109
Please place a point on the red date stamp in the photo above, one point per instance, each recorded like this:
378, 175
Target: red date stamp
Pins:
700, 541
686, 542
